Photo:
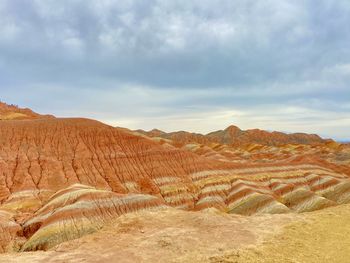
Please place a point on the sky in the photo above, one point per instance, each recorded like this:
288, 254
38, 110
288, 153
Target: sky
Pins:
198, 65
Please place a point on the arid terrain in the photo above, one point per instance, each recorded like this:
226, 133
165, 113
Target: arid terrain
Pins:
208, 236
78, 190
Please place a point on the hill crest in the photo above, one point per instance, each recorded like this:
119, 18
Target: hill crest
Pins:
233, 135
13, 112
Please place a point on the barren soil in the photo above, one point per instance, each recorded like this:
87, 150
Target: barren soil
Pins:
209, 236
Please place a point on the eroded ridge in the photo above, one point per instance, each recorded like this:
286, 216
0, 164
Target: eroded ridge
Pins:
69, 214
56, 153
271, 189
61, 179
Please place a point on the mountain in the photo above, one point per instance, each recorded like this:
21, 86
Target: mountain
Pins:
65, 178
233, 135
13, 112
55, 153
180, 137
42, 157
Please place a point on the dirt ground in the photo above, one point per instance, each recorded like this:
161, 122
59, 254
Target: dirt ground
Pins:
322, 236
179, 236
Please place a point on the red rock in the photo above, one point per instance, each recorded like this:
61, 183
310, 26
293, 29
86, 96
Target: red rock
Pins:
64, 178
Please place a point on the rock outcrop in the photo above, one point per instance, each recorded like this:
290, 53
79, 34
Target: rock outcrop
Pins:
79, 210
52, 154
61, 179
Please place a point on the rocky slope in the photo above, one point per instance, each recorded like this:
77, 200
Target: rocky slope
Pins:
79, 210
42, 156
52, 154
61, 179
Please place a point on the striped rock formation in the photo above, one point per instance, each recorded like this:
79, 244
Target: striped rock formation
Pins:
51, 154
277, 189
330, 154
61, 179
42, 156
79, 210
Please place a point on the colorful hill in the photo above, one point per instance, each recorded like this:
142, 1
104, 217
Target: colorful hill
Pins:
64, 178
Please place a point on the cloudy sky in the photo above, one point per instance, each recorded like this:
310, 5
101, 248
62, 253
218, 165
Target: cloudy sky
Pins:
196, 65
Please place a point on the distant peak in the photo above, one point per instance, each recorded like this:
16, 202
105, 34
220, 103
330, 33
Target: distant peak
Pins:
232, 128
13, 112
155, 133
157, 130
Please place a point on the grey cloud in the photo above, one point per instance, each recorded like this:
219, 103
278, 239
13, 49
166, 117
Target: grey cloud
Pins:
174, 57
177, 43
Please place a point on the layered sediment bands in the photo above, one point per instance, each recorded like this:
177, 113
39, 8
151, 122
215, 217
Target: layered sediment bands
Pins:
40, 157
80, 210
274, 151
61, 179
279, 189
339, 193
55, 153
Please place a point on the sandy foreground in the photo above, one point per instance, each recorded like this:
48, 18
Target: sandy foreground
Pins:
209, 236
